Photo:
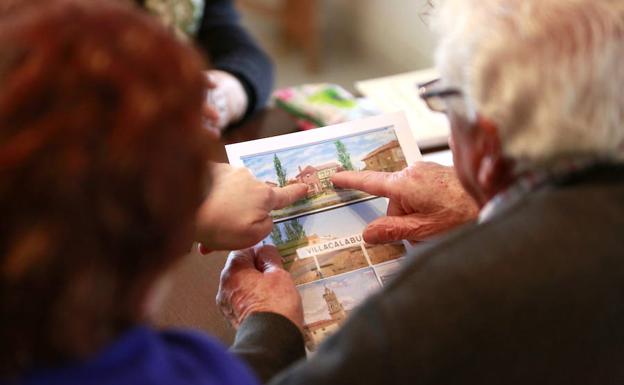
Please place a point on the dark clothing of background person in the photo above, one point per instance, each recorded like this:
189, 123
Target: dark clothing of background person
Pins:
231, 48
532, 296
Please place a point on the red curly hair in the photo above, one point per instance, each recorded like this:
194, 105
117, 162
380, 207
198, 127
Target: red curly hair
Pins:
102, 168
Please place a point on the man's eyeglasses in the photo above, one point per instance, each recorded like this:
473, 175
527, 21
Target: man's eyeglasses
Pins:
433, 94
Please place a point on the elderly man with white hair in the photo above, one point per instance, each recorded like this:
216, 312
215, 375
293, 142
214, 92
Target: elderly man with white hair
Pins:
533, 291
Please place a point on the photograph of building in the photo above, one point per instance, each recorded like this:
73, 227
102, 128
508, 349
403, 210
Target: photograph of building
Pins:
385, 252
388, 158
322, 228
327, 303
304, 270
342, 261
317, 331
314, 164
289, 235
388, 270
318, 178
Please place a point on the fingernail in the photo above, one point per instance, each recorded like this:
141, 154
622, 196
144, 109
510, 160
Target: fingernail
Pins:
203, 250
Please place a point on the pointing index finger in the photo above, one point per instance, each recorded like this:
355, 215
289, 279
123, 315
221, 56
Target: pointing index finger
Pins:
287, 195
372, 182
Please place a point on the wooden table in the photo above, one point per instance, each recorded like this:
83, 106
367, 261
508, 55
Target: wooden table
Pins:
190, 301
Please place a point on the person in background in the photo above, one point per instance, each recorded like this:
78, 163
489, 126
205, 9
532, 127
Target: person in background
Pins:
103, 173
532, 293
239, 84
241, 76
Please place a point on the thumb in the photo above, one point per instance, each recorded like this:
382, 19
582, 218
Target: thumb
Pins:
268, 259
239, 260
409, 227
210, 113
209, 80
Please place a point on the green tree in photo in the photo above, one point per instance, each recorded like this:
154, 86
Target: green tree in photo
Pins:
276, 235
279, 171
343, 155
291, 234
298, 229
294, 231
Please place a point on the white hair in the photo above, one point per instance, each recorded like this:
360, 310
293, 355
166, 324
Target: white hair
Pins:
549, 73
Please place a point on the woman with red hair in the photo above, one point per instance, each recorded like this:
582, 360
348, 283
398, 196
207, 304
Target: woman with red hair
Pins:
103, 168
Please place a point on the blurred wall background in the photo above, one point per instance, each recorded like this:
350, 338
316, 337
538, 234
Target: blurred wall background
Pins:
356, 39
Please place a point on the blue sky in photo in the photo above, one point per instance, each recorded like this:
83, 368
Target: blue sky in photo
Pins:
341, 222
317, 154
351, 289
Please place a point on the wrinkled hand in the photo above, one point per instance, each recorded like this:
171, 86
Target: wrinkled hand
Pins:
425, 199
226, 101
254, 281
236, 213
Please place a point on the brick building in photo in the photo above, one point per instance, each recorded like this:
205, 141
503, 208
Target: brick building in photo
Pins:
316, 332
318, 177
388, 157
385, 252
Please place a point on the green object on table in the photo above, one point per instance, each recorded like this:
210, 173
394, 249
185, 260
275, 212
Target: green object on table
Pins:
331, 96
317, 105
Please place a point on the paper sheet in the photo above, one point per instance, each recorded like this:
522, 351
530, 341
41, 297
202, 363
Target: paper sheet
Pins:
400, 93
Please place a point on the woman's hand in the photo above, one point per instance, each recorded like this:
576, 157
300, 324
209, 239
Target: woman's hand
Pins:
236, 213
226, 101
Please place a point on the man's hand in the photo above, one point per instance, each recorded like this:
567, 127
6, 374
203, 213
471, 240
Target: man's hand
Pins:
226, 101
236, 213
425, 199
254, 281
